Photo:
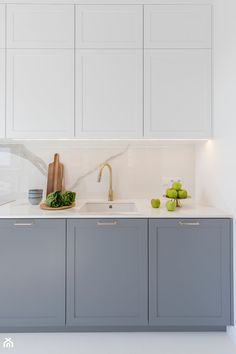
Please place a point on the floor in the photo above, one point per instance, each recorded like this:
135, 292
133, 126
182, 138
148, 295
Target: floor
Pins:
119, 343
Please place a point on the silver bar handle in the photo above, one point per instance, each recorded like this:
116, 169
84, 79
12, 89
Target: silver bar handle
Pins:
197, 223
112, 223
24, 223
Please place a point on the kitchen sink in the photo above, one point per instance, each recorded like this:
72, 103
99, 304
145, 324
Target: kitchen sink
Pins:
108, 207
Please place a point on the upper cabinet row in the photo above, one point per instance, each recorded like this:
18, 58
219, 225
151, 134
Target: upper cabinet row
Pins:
107, 26
105, 71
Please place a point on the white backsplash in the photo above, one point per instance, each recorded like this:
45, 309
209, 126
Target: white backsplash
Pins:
139, 168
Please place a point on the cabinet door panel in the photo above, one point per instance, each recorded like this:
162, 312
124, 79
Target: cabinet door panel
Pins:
107, 272
109, 93
32, 273
109, 26
190, 272
177, 26
2, 26
178, 93
2, 93
40, 26
40, 88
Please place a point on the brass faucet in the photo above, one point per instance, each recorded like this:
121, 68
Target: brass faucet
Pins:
110, 191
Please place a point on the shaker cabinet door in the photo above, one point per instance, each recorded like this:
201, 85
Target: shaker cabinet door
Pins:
190, 275
177, 93
40, 26
177, 26
2, 26
107, 272
40, 93
32, 273
109, 93
109, 26
2, 93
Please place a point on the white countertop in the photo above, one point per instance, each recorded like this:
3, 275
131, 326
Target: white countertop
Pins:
23, 209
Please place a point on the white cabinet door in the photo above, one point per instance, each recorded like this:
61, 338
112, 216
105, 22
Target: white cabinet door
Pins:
40, 26
2, 93
2, 26
109, 26
109, 93
40, 93
177, 93
177, 26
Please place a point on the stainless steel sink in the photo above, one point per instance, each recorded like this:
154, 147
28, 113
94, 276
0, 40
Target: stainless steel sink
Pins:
108, 207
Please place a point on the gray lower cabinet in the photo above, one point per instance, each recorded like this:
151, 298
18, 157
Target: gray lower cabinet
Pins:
107, 272
190, 275
32, 273
110, 273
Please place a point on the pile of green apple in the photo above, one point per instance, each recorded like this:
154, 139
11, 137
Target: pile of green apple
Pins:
176, 191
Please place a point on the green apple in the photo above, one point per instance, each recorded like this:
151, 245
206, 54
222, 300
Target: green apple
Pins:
182, 194
155, 203
176, 185
171, 205
167, 191
171, 193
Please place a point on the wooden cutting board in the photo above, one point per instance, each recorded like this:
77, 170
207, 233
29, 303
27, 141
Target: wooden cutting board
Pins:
45, 207
55, 175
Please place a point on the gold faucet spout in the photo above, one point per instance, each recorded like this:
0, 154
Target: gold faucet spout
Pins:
110, 191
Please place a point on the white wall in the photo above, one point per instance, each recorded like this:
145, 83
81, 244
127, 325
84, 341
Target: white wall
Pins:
216, 160
138, 172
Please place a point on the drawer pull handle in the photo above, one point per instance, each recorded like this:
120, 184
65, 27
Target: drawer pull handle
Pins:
113, 223
189, 223
23, 223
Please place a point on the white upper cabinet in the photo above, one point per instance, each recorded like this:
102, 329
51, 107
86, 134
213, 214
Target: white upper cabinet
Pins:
177, 93
109, 26
109, 93
40, 93
2, 26
105, 71
2, 93
177, 26
40, 26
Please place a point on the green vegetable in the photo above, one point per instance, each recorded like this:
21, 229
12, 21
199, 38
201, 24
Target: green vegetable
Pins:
58, 199
68, 198
54, 200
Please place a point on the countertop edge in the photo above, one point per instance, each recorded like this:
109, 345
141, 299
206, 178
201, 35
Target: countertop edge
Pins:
21, 209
